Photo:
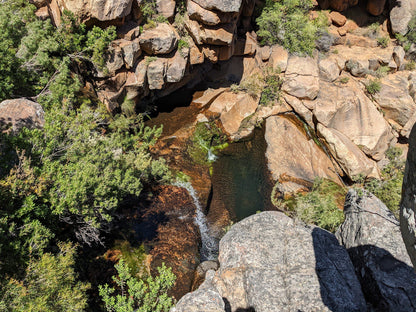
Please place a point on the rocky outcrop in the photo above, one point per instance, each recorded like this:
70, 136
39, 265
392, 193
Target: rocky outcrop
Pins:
407, 205
400, 15
263, 269
159, 40
294, 159
371, 235
21, 113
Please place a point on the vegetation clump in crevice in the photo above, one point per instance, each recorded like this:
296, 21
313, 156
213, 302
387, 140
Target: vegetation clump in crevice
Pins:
322, 206
287, 23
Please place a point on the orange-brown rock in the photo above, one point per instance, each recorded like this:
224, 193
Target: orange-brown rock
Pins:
42, 13
166, 8
21, 113
337, 5
228, 6
375, 7
338, 19
160, 40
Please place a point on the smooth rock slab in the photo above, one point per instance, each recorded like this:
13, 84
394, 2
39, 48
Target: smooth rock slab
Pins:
372, 237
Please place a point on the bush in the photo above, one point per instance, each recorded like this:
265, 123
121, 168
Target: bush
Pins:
141, 295
322, 206
286, 22
389, 188
383, 42
373, 86
271, 90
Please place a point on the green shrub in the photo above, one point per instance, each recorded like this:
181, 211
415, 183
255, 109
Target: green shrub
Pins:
271, 90
344, 80
142, 295
382, 71
389, 188
411, 65
286, 22
383, 42
373, 86
373, 30
183, 44
150, 59
321, 206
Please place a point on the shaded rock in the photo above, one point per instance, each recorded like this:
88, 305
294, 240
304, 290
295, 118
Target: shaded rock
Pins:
328, 69
207, 17
407, 204
205, 98
113, 62
337, 5
228, 6
407, 128
351, 159
201, 271
159, 40
196, 56
302, 77
371, 235
297, 161
401, 14
347, 109
21, 113
394, 98
103, 10
131, 51
398, 56
300, 109
375, 7
156, 73
356, 68
42, 13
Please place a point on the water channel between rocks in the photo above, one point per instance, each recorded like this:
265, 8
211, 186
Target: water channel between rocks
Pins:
240, 180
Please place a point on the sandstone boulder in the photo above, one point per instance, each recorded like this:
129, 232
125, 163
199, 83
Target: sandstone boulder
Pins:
293, 158
156, 71
102, 10
338, 19
159, 40
371, 235
348, 110
328, 69
131, 51
394, 98
166, 8
278, 58
269, 262
351, 159
228, 6
302, 77
398, 56
21, 113
177, 66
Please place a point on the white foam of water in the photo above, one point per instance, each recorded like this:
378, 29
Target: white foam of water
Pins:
211, 156
209, 248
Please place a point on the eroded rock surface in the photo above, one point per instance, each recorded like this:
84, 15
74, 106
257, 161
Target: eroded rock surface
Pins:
263, 268
21, 113
372, 237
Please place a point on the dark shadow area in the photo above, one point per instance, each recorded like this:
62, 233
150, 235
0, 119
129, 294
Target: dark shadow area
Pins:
362, 18
387, 283
228, 307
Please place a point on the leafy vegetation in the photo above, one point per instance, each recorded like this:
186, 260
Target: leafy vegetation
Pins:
286, 22
373, 86
141, 295
383, 42
321, 206
389, 188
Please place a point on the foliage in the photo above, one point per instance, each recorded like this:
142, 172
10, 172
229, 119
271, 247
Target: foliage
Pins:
389, 188
206, 138
271, 90
373, 86
411, 65
141, 295
97, 42
383, 42
150, 59
344, 80
382, 71
321, 206
50, 284
183, 44
286, 23
373, 30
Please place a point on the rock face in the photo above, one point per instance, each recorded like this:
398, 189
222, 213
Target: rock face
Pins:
337, 5
348, 110
21, 113
227, 6
302, 77
400, 15
103, 10
159, 40
294, 159
407, 205
371, 235
263, 269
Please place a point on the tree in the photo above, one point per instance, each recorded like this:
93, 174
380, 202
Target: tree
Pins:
141, 295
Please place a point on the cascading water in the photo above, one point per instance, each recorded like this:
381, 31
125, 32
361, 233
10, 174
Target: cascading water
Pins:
209, 245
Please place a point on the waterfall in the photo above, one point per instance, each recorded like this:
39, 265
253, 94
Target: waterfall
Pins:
209, 248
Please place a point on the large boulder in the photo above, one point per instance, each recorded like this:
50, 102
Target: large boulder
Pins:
102, 10
394, 98
401, 14
372, 237
269, 262
351, 159
21, 113
302, 77
407, 205
159, 40
348, 110
156, 71
294, 159
227, 6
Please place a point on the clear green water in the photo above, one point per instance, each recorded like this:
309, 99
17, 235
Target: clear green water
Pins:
240, 180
